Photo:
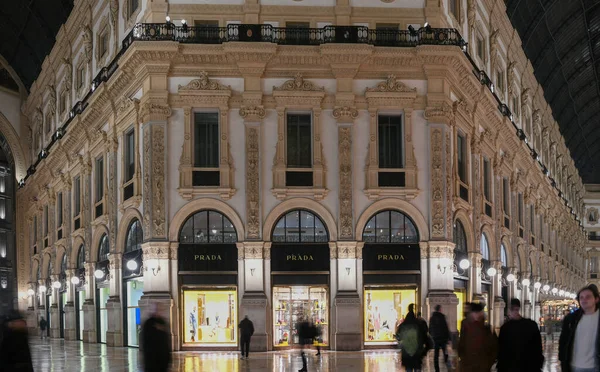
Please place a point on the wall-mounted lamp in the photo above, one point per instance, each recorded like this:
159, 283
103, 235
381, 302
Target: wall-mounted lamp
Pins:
510, 277
526, 281
561, 292
132, 265
546, 288
537, 285
99, 274
75, 280
567, 294
56, 285
30, 292
252, 271
154, 266
554, 290
464, 264
42, 288
491, 271
445, 264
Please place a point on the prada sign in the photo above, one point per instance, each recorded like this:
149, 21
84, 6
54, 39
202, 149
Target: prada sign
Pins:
207, 257
391, 257
299, 257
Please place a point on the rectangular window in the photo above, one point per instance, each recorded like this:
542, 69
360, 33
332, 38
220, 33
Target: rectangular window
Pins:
133, 5
532, 219
461, 145
35, 232
103, 43
480, 45
129, 155
487, 180
206, 140
506, 196
49, 120
299, 141
454, 8
63, 103
390, 141
515, 105
99, 179
80, 77
59, 209
76, 196
500, 81
45, 220
520, 207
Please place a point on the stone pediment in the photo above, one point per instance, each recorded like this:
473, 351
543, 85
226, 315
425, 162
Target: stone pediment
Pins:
299, 84
203, 83
391, 85
391, 93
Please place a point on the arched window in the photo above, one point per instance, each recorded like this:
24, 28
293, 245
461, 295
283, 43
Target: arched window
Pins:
104, 249
50, 270
81, 257
485, 248
530, 267
503, 256
390, 227
63, 264
207, 227
518, 262
133, 241
38, 275
300, 226
460, 237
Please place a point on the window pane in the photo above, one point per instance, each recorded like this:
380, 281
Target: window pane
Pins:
279, 231
215, 226
59, 207
307, 231
462, 163
369, 232
129, 155
390, 141
187, 232
292, 222
298, 141
398, 229
506, 195
485, 252
382, 228
206, 140
99, 179
104, 249
411, 235
503, 256
486, 179
200, 227
77, 196
229, 234
320, 231
460, 238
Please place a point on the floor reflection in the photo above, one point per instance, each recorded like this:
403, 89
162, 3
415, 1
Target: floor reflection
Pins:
58, 355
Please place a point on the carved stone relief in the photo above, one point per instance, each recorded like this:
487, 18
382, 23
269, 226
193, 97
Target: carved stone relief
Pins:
345, 193
437, 184
252, 182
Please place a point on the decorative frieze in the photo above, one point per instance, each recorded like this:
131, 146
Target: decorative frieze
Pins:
252, 182
437, 183
345, 176
155, 226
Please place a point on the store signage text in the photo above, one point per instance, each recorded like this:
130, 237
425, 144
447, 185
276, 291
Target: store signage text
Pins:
299, 257
389, 257
208, 257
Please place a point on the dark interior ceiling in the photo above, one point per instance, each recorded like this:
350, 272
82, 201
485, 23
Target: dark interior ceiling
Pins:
28, 30
561, 38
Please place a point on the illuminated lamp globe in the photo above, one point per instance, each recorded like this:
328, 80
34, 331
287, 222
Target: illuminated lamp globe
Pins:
546, 288
132, 265
30, 292
464, 264
510, 277
491, 271
56, 285
75, 280
554, 290
526, 281
42, 288
99, 274
561, 292
537, 285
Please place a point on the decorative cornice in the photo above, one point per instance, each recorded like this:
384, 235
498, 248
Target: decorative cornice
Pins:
392, 85
203, 83
299, 84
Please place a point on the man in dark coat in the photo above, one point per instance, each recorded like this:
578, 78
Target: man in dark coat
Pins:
156, 346
43, 325
246, 332
15, 355
412, 339
520, 343
438, 328
579, 344
306, 334
478, 345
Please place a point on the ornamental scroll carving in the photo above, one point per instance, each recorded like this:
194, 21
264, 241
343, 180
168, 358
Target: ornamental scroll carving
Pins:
150, 111
392, 85
444, 113
298, 84
252, 113
345, 196
437, 184
345, 114
147, 191
252, 183
203, 83
158, 181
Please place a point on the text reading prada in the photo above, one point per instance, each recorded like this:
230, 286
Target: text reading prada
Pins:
299, 257
389, 257
207, 257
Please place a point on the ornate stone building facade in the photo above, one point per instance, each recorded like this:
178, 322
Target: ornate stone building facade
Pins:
290, 159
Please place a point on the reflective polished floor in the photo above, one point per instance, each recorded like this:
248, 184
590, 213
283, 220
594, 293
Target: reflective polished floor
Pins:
58, 355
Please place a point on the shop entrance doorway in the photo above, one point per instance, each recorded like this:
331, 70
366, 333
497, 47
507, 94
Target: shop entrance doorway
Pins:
294, 304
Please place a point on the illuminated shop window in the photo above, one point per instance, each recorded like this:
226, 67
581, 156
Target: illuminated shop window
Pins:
210, 317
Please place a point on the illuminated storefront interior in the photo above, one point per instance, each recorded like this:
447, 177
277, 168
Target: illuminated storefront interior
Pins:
385, 310
210, 317
291, 305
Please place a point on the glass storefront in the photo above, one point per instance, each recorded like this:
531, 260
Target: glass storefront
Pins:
461, 295
385, 309
292, 305
63, 314
210, 317
135, 290
102, 314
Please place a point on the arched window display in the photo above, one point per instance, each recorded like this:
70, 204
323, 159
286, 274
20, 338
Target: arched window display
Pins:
62, 294
102, 275
207, 259
461, 270
133, 282
300, 276
79, 282
391, 274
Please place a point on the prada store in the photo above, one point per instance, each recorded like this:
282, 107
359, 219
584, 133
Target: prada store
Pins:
208, 264
391, 274
300, 265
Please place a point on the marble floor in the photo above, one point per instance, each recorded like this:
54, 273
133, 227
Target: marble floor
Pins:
58, 355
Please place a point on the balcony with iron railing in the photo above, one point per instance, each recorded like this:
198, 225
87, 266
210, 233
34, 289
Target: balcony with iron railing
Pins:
289, 36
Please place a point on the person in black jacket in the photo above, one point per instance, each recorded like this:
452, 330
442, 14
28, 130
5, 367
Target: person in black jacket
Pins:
156, 347
246, 332
14, 349
438, 328
306, 334
579, 344
520, 343
412, 340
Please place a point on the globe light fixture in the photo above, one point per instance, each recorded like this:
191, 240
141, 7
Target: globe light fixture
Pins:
491, 271
56, 285
561, 292
567, 294
42, 288
554, 290
132, 265
526, 281
75, 280
546, 288
99, 274
30, 292
537, 285
510, 277
464, 264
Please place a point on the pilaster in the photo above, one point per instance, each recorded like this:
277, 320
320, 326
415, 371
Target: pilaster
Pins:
69, 309
475, 275
114, 331
154, 179
441, 281
89, 307
441, 179
347, 312
498, 302
54, 310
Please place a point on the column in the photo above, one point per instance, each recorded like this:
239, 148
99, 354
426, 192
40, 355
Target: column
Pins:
347, 317
114, 309
475, 276
41, 309
254, 301
499, 305
89, 307
32, 320
70, 315
525, 293
54, 310
536, 301
441, 282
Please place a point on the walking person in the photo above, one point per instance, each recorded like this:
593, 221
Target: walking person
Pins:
305, 334
412, 340
579, 344
156, 347
246, 331
43, 326
519, 343
438, 328
477, 345
14, 348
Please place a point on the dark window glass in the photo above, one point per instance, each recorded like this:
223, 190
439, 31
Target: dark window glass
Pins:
35, 231
390, 227
206, 140
454, 8
506, 196
487, 180
300, 226
503, 256
59, 209
390, 141
45, 220
76, 196
520, 207
104, 249
299, 146
207, 227
133, 5
99, 179
462, 158
133, 241
129, 155
531, 219
81, 257
460, 237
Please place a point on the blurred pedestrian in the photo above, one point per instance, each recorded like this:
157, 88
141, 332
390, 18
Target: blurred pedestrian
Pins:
477, 345
246, 331
15, 355
306, 334
43, 326
412, 340
519, 343
156, 346
438, 328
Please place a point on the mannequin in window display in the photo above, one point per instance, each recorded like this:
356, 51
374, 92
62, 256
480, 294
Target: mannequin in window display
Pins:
193, 324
